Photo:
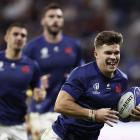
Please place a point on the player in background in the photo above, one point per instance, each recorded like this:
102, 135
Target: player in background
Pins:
17, 74
56, 54
89, 97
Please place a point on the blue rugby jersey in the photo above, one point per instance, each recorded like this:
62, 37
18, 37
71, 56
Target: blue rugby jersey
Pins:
91, 89
15, 78
54, 59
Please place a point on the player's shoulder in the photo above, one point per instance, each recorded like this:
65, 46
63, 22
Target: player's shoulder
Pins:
122, 74
2, 54
71, 39
35, 40
86, 69
28, 60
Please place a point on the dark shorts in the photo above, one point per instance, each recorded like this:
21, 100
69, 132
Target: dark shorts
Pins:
70, 136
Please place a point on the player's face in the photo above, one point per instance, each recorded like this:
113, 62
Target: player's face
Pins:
16, 38
107, 58
53, 21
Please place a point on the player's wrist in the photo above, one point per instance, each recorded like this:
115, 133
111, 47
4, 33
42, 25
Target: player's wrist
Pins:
92, 115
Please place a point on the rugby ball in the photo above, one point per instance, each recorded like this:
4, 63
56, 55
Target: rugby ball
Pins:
129, 99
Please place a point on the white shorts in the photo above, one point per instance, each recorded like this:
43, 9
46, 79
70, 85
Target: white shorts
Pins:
16, 132
47, 119
49, 134
43, 122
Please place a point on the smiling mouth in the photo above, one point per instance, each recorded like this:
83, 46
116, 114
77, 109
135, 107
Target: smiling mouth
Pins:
111, 63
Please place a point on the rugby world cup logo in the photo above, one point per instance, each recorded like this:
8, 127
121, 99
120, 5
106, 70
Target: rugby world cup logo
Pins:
96, 87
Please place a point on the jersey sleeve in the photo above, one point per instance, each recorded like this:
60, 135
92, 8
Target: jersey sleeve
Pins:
79, 59
74, 84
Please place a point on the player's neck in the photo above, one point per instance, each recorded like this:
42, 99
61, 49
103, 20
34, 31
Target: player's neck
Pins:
105, 73
13, 54
53, 38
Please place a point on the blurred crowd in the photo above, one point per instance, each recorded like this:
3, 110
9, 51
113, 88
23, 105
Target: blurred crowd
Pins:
83, 19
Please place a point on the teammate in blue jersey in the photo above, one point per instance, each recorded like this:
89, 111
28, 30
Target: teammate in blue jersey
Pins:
89, 97
17, 74
56, 54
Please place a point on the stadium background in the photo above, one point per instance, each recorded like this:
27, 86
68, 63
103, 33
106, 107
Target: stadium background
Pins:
83, 19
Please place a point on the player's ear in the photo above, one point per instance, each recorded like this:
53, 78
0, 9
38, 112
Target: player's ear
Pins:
42, 21
95, 54
6, 37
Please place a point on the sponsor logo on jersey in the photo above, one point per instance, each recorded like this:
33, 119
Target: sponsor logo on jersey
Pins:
108, 86
13, 65
56, 49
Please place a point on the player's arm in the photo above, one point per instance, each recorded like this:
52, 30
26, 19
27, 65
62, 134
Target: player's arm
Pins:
67, 105
44, 81
39, 92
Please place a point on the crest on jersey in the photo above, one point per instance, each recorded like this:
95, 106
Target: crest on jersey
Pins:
44, 53
118, 88
68, 50
96, 87
25, 69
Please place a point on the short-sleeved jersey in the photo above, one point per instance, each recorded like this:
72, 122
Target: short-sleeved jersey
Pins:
92, 90
54, 59
16, 76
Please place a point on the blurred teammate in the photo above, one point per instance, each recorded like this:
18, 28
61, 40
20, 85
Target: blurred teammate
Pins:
89, 97
56, 54
17, 74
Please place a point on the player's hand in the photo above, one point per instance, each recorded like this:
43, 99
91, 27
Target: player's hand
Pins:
45, 81
135, 114
106, 115
39, 94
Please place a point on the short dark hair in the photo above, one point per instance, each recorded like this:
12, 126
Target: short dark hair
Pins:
16, 24
50, 6
108, 37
